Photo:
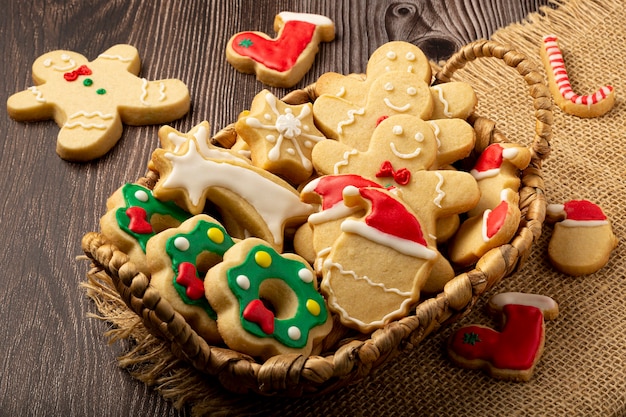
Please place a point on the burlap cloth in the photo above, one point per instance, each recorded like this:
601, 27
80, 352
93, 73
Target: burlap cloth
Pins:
583, 369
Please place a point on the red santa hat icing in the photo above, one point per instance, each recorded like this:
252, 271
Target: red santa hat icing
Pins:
578, 213
490, 161
389, 223
330, 189
493, 220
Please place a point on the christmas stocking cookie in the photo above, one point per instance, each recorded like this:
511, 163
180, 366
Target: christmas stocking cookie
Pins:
91, 100
513, 352
283, 61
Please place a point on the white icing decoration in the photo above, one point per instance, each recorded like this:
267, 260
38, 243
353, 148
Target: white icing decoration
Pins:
243, 282
47, 62
510, 153
418, 137
305, 275
391, 55
350, 119
440, 193
330, 264
542, 302
583, 223
445, 103
116, 57
341, 92
338, 211
202, 140
103, 116
344, 161
274, 203
486, 214
182, 243
294, 333
162, 95
316, 19
410, 56
436, 130
480, 175
144, 92
388, 86
397, 130
142, 196
66, 58
392, 106
404, 246
37, 93
411, 91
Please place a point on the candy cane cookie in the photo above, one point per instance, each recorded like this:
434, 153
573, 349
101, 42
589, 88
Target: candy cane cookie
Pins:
134, 215
267, 303
178, 259
591, 105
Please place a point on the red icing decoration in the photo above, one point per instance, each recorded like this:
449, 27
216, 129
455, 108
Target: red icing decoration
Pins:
583, 210
491, 158
496, 219
330, 187
279, 54
188, 278
401, 176
138, 220
73, 75
380, 119
516, 347
389, 216
256, 312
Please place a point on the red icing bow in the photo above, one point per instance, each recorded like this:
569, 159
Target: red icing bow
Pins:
401, 176
73, 75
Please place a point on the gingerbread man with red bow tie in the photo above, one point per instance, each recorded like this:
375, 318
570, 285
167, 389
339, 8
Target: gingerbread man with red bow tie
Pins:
91, 100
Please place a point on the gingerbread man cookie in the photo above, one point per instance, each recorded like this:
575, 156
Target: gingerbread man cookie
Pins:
283, 61
280, 136
512, 353
91, 100
582, 240
263, 203
591, 105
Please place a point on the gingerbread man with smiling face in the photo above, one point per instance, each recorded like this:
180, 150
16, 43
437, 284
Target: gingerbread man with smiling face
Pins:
91, 100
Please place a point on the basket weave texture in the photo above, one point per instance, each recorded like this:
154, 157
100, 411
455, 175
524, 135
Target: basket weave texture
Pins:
348, 360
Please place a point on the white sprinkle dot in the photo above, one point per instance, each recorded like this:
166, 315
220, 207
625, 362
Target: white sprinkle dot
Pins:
294, 333
305, 275
397, 130
141, 195
181, 243
243, 282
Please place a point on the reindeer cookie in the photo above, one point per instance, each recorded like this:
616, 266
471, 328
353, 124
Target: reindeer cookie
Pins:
91, 100
263, 204
280, 136
283, 61
582, 240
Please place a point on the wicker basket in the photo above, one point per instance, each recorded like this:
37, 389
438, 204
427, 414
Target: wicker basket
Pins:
348, 358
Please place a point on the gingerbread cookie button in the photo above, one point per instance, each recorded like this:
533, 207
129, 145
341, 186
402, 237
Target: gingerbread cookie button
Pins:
91, 100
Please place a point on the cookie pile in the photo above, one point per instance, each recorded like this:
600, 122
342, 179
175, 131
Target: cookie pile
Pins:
348, 210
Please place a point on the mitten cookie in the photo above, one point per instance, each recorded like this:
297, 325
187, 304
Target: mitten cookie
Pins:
91, 100
283, 61
582, 240
512, 353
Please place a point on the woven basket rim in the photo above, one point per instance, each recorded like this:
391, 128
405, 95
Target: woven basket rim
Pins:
354, 359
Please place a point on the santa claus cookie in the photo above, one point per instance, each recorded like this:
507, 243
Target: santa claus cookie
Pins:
91, 100
282, 61
512, 353
582, 240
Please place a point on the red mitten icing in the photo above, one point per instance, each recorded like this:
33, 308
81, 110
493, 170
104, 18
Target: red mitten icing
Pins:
513, 352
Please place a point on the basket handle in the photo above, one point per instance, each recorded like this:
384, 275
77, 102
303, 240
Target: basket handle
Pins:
542, 99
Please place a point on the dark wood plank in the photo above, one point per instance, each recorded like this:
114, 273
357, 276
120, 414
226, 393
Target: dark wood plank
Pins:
55, 360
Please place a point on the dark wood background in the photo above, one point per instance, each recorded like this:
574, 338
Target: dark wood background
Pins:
54, 360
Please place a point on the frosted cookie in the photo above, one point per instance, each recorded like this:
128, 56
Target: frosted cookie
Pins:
133, 216
582, 240
385, 262
513, 352
90, 100
282, 61
263, 204
178, 259
267, 303
591, 105
280, 136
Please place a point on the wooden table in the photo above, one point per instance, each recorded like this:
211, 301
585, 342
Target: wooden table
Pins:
54, 359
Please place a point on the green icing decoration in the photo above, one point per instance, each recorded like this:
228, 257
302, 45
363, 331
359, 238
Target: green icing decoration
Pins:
289, 271
198, 242
471, 338
246, 43
151, 206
